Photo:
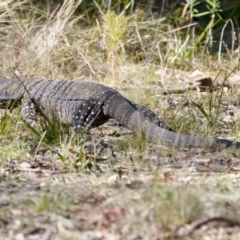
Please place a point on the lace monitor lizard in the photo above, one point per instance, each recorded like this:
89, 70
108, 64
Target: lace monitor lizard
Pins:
85, 104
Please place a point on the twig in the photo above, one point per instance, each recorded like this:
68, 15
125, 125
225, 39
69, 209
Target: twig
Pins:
215, 221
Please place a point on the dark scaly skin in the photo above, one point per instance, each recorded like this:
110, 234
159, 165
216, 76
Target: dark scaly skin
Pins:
89, 104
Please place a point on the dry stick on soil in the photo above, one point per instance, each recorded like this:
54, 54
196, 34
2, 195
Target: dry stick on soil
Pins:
212, 222
204, 84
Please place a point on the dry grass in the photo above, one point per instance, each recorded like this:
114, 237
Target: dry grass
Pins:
113, 185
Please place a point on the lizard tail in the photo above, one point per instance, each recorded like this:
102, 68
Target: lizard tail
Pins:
118, 108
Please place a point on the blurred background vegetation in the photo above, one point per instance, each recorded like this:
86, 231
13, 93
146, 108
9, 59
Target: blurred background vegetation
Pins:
204, 13
158, 8
42, 37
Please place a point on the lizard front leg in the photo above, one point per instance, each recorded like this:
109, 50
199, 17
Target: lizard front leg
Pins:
28, 113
